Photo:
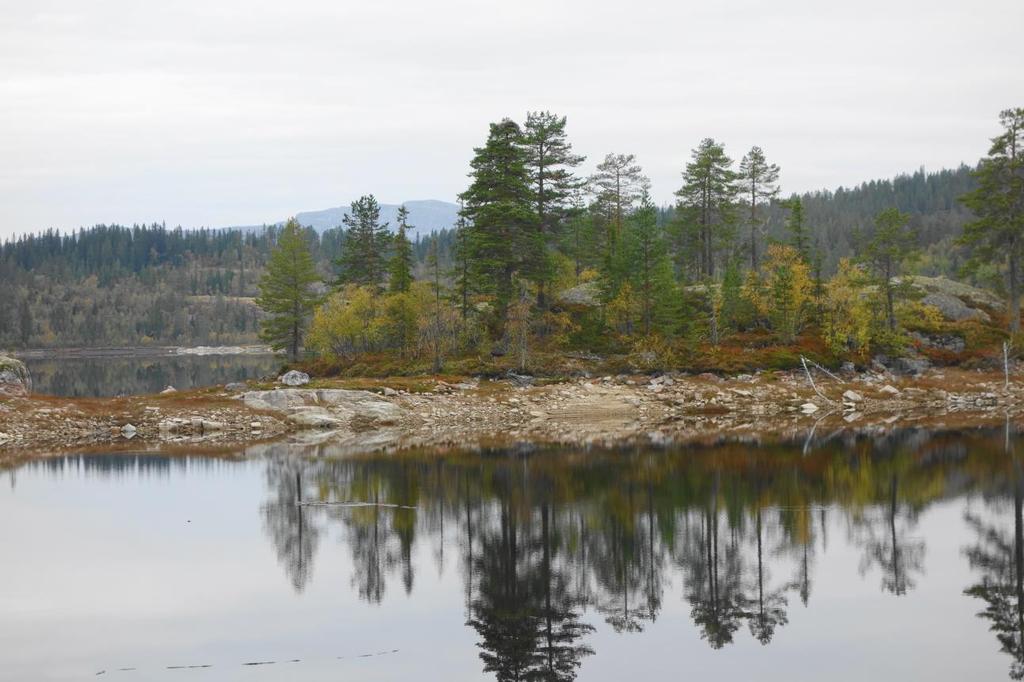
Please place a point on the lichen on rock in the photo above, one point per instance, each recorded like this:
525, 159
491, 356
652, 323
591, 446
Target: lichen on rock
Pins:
15, 378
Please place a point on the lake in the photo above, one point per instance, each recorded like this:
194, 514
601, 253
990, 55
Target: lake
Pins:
133, 374
878, 556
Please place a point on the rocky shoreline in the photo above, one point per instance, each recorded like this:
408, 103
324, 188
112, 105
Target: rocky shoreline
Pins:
333, 419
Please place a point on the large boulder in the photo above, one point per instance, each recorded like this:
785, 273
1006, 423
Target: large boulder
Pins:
586, 295
953, 308
327, 407
294, 378
907, 364
970, 296
14, 377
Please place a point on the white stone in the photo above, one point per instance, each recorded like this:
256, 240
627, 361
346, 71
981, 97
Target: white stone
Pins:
294, 378
853, 396
808, 408
891, 390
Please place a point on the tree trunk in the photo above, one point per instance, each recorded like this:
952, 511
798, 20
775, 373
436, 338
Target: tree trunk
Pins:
890, 305
1013, 275
753, 224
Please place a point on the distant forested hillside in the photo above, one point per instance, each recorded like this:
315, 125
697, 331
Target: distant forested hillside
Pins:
145, 284
835, 218
117, 285
931, 200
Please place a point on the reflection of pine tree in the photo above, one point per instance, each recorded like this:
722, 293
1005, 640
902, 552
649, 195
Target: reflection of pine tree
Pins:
502, 612
374, 554
713, 579
898, 557
627, 569
523, 609
295, 538
1000, 561
559, 653
769, 609
798, 526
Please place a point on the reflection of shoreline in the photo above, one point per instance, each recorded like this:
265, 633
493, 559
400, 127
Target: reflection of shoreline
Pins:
139, 352
143, 375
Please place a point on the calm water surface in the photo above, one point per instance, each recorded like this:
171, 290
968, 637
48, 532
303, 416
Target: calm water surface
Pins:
130, 375
884, 558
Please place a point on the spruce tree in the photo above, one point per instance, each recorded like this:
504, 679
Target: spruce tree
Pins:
498, 207
549, 161
706, 202
731, 308
436, 323
799, 237
365, 245
891, 243
285, 291
997, 232
759, 180
650, 269
400, 267
461, 273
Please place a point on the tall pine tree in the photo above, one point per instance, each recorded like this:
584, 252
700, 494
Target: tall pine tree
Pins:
707, 201
549, 161
997, 232
617, 185
760, 182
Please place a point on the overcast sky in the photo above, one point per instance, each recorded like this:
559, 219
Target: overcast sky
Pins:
223, 112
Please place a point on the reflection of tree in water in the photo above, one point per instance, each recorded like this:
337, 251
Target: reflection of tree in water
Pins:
768, 608
561, 627
501, 612
522, 609
626, 566
286, 522
999, 559
539, 536
379, 537
886, 545
712, 566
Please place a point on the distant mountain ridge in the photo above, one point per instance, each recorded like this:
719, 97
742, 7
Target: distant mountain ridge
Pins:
425, 216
